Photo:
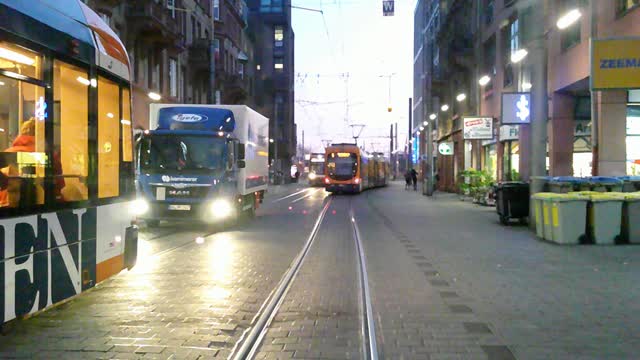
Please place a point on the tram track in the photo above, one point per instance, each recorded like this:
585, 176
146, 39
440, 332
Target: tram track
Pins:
249, 344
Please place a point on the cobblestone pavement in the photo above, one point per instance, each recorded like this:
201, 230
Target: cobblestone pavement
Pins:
320, 316
447, 282
187, 303
447, 271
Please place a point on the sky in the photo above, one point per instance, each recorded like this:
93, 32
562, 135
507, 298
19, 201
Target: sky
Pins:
342, 70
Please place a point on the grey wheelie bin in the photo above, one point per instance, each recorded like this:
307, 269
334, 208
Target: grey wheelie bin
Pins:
605, 184
605, 218
631, 218
565, 184
569, 218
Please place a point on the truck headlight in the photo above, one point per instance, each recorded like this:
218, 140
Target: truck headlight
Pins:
139, 207
312, 176
221, 208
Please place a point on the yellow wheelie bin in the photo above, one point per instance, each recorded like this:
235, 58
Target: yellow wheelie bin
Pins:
605, 218
542, 214
569, 218
631, 218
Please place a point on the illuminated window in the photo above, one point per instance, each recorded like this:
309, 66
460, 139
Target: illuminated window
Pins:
278, 63
108, 138
71, 131
20, 61
623, 6
127, 150
278, 36
22, 143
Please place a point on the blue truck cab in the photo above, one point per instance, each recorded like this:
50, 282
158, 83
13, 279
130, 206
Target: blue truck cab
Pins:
201, 163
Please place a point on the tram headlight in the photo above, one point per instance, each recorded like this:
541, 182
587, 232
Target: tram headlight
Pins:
312, 176
139, 207
357, 181
221, 208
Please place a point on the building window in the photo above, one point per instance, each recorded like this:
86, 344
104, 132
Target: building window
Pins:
173, 77
278, 63
489, 66
71, 132
108, 138
571, 36
273, 6
488, 12
241, 70
278, 36
216, 9
624, 6
193, 28
199, 33
216, 47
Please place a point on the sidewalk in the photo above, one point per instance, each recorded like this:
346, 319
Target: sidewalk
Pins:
546, 300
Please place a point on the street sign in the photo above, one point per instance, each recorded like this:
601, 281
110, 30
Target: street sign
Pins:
615, 63
516, 108
445, 148
509, 132
388, 7
477, 128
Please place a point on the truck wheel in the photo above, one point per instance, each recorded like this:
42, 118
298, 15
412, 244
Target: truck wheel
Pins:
152, 223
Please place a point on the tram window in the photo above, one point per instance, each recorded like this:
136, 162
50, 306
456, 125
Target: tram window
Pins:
21, 61
70, 147
108, 138
127, 151
22, 144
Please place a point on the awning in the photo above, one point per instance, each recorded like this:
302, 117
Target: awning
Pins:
242, 56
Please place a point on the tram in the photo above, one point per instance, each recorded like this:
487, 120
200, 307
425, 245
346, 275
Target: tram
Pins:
66, 158
316, 169
349, 169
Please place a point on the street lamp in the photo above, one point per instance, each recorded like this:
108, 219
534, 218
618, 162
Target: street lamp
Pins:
526, 86
154, 96
425, 123
568, 19
271, 140
461, 97
484, 80
421, 128
432, 116
518, 55
444, 107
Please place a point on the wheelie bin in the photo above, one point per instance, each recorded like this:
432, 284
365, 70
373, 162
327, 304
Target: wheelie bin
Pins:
631, 218
565, 184
605, 184
605, 218
630, 183
542, 210
512, 201
569, 218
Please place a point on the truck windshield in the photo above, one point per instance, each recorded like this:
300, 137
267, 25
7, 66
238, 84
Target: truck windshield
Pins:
342, 166
187, 152
317, 168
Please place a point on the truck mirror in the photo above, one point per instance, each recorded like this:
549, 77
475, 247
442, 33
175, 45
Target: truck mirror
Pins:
240, 151
241, 164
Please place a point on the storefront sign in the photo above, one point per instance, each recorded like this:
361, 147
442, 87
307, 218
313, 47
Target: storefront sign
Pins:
477, 128
615, 63
509, 132
582, 128
388, 7
516, 108
445, 148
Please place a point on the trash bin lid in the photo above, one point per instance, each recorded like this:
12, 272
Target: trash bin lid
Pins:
632, 197
607, 197
605, 180
543, 195
629, 178
568, 179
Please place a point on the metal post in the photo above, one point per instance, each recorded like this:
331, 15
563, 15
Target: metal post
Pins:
595, 167
409, 145
538, 146
429, 150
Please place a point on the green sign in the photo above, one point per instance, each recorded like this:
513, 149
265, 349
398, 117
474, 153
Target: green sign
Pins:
445, 148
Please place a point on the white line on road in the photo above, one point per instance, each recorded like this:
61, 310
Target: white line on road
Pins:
306, 196
291, 195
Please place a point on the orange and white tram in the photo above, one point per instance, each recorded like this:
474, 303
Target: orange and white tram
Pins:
349, 169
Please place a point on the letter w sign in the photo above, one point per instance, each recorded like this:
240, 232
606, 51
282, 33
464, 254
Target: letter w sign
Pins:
387, 7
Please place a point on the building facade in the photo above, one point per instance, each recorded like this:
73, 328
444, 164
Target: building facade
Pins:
475, 40
270, 27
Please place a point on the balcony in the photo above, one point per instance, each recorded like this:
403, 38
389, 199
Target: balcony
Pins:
153, 22
199, 55
235, 89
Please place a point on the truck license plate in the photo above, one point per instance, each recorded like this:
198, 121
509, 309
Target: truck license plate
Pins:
180, 207
161, 193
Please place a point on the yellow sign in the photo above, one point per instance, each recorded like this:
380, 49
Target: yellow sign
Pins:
615, 64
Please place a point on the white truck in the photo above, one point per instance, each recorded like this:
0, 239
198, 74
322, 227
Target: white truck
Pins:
205, 163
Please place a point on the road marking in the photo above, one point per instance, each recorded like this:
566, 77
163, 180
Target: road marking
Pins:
249, 343
291, 195
370, 346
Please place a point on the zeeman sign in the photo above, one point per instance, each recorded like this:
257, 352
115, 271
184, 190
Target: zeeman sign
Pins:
615, 64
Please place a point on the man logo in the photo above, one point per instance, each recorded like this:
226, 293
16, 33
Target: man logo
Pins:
166, 178
189, 118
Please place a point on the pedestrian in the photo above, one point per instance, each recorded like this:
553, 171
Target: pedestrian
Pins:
407, 180
414, 179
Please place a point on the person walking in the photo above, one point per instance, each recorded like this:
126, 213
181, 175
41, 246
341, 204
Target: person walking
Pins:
407, 180
414, 179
